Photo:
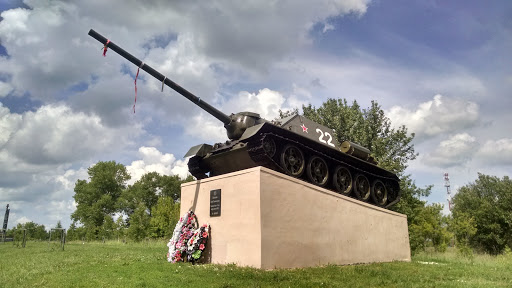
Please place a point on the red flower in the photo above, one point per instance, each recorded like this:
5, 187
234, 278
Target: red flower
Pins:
201, 247
205, 234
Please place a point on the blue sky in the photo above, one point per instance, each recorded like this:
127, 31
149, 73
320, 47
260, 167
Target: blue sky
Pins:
442, 68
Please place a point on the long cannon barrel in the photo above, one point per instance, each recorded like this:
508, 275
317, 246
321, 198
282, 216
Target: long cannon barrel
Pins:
196, 100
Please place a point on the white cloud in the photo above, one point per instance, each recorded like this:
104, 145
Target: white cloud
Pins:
50, 51
9, 123
496, 152
206, 128
266, 102
459, 82
438, 116
37, 149
22, 220
455, 151
5, 88
55, 134
156, 161
14, 24
42, 57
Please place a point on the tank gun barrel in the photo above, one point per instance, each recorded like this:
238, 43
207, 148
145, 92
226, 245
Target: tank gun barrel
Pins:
196, 100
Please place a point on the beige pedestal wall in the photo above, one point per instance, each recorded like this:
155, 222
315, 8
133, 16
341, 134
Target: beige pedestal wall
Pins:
270, 220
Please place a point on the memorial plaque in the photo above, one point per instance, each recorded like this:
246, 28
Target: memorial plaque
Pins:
215, 203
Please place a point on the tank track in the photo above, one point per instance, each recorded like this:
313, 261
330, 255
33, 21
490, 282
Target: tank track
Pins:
260, 156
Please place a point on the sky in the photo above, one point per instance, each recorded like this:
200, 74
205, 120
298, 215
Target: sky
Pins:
441, 68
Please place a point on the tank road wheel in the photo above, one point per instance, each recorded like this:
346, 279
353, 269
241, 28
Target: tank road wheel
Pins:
342, 180
362, 187
392, 190
292, 160
317, 170
269, 146
379, 193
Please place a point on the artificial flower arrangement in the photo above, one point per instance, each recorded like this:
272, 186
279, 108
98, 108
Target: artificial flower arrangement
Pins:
188, 241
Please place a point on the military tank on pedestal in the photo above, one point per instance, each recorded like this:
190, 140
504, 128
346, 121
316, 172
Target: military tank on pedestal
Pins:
293, 145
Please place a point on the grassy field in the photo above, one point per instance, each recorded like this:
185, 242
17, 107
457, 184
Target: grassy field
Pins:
144, 265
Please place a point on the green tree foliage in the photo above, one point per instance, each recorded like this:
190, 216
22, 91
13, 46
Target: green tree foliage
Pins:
75, 233
34, 231
171, 185
429, 227
120, 227
108, 228
165, 215
106, 195
463, 227
71, 234
145, 191
98, 197
149, 189
410, 202
139, 223
488, 201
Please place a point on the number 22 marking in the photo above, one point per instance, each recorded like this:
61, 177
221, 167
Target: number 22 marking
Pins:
326, 134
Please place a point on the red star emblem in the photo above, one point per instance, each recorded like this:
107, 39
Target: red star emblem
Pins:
304, 128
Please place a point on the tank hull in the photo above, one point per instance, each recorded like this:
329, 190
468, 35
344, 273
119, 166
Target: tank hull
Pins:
251, 151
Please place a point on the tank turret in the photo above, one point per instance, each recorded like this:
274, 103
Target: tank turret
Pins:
293, 145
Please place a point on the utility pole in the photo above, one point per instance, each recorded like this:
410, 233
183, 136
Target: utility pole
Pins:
6, 220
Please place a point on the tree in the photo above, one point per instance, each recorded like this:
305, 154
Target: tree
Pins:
98, 197
34, 231
139, 223
463, 227
429, 227
107, 229
171, 185
165, 215
71, 234
148, 189
488, 202
145, 190
120, 227
410, 201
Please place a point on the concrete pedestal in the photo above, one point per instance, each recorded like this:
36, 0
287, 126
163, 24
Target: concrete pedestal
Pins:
270, 220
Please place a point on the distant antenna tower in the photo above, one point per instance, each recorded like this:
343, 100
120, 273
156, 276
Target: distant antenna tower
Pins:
448, 191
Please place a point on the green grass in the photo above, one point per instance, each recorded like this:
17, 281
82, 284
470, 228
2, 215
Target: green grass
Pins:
115, 264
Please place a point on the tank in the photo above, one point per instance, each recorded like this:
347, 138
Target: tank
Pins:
294, 145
